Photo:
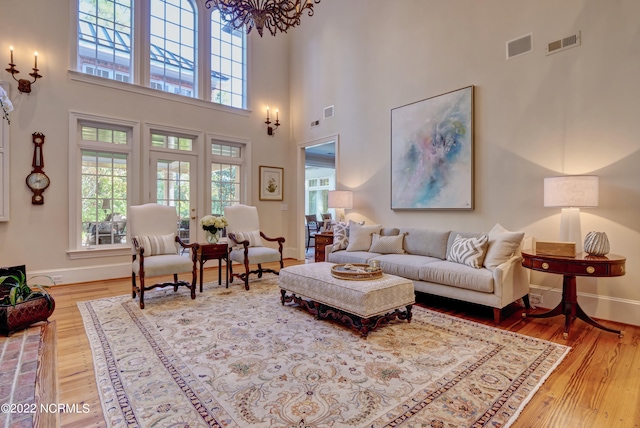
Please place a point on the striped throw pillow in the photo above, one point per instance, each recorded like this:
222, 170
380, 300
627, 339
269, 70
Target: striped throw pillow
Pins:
158, 245
253, 237
469, 251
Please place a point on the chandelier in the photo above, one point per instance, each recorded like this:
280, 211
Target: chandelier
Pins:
273, 14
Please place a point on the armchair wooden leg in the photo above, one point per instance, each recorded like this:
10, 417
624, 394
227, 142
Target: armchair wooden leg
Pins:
142, 292
133, 285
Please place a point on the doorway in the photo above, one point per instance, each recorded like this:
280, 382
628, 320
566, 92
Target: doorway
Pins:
173, 183
319, 179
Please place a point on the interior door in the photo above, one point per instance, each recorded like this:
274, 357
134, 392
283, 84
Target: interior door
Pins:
173, 183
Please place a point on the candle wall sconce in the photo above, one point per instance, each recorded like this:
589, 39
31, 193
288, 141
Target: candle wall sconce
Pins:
272, 129
24, 85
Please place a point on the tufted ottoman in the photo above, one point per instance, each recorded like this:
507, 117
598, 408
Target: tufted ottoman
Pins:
364, 305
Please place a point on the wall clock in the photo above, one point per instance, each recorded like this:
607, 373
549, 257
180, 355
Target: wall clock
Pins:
37, 181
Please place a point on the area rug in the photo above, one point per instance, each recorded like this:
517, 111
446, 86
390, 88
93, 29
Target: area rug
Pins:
236, 358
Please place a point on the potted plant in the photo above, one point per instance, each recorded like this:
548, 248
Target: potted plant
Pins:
20, 304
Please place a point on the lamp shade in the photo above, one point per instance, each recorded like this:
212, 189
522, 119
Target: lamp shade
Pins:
571, 191
341, 199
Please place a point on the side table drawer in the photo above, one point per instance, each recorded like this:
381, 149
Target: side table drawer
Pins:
323, 240
582, 269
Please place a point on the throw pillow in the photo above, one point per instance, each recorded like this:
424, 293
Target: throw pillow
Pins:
360, 236
253, 236
502, 246
158, 245
469, 251
340, 237
387, 244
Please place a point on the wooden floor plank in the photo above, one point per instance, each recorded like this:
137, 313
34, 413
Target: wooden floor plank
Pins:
597, 385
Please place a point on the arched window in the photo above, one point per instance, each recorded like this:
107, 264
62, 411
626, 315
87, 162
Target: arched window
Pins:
104, 38
172, 47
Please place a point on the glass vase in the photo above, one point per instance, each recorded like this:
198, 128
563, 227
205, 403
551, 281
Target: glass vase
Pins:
212, 237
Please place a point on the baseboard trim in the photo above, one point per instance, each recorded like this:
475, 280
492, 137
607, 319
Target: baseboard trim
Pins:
596, 306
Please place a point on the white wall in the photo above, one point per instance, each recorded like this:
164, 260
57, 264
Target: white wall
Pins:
536, 116
38, 235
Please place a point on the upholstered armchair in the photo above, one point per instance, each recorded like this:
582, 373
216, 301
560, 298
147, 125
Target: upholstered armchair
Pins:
152, 228
245, 243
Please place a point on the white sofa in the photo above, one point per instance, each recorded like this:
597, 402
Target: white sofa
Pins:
423, 258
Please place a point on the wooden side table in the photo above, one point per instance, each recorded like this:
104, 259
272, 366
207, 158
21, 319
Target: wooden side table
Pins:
322, 240
212, 252
570, 267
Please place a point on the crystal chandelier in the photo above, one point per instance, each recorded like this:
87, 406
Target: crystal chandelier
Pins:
273, 14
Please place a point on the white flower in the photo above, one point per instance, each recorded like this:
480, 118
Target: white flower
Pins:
213, 223
5, 104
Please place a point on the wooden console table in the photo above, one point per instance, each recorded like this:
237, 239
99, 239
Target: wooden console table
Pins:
570, 267
322, 240
214, 252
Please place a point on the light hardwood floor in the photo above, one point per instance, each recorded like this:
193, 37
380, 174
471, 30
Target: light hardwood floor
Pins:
597, 385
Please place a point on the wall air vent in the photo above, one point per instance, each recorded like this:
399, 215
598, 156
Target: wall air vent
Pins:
328, 112
520, 46
563, 44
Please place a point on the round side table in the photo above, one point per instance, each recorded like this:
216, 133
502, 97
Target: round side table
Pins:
570, 267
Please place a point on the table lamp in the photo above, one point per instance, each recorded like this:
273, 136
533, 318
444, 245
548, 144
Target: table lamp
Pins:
571, 192
341, 200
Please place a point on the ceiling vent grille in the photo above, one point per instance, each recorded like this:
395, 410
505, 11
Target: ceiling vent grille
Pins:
565, 43
520, 46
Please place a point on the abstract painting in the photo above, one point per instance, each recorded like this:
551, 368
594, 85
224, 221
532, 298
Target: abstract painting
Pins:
432, 153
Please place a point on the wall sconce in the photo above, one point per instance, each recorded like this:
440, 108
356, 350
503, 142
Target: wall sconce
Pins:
24, 85
272, 129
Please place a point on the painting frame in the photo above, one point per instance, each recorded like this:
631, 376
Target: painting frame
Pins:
432, 153
270, 183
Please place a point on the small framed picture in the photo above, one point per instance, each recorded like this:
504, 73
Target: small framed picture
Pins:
271, 179
326, 227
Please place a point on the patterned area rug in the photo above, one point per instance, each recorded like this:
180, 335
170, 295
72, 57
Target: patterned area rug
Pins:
236, 358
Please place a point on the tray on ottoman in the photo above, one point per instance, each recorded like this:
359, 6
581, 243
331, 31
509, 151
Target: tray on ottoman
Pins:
364, 305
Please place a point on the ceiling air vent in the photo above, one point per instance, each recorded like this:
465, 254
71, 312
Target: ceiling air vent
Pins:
563, 44
520, 46
328, 112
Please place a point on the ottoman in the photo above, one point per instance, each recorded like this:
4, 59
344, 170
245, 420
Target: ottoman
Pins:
364, 305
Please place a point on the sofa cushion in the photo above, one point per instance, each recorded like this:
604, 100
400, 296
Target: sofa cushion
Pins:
469, 251
425, 242
404, 265
502, 245
457, 275
343, 256
455, 233
387, 244
360, 236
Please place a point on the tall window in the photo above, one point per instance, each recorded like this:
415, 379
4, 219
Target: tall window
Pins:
104, 38
104, 184
106, 45
228, 81
173, 46
226, 175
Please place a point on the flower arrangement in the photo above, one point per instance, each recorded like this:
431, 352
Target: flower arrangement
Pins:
213, 223
5, 105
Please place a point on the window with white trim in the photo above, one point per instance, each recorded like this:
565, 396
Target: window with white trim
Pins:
173, 45
105, 30
106, 45
227, 175
104, 175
